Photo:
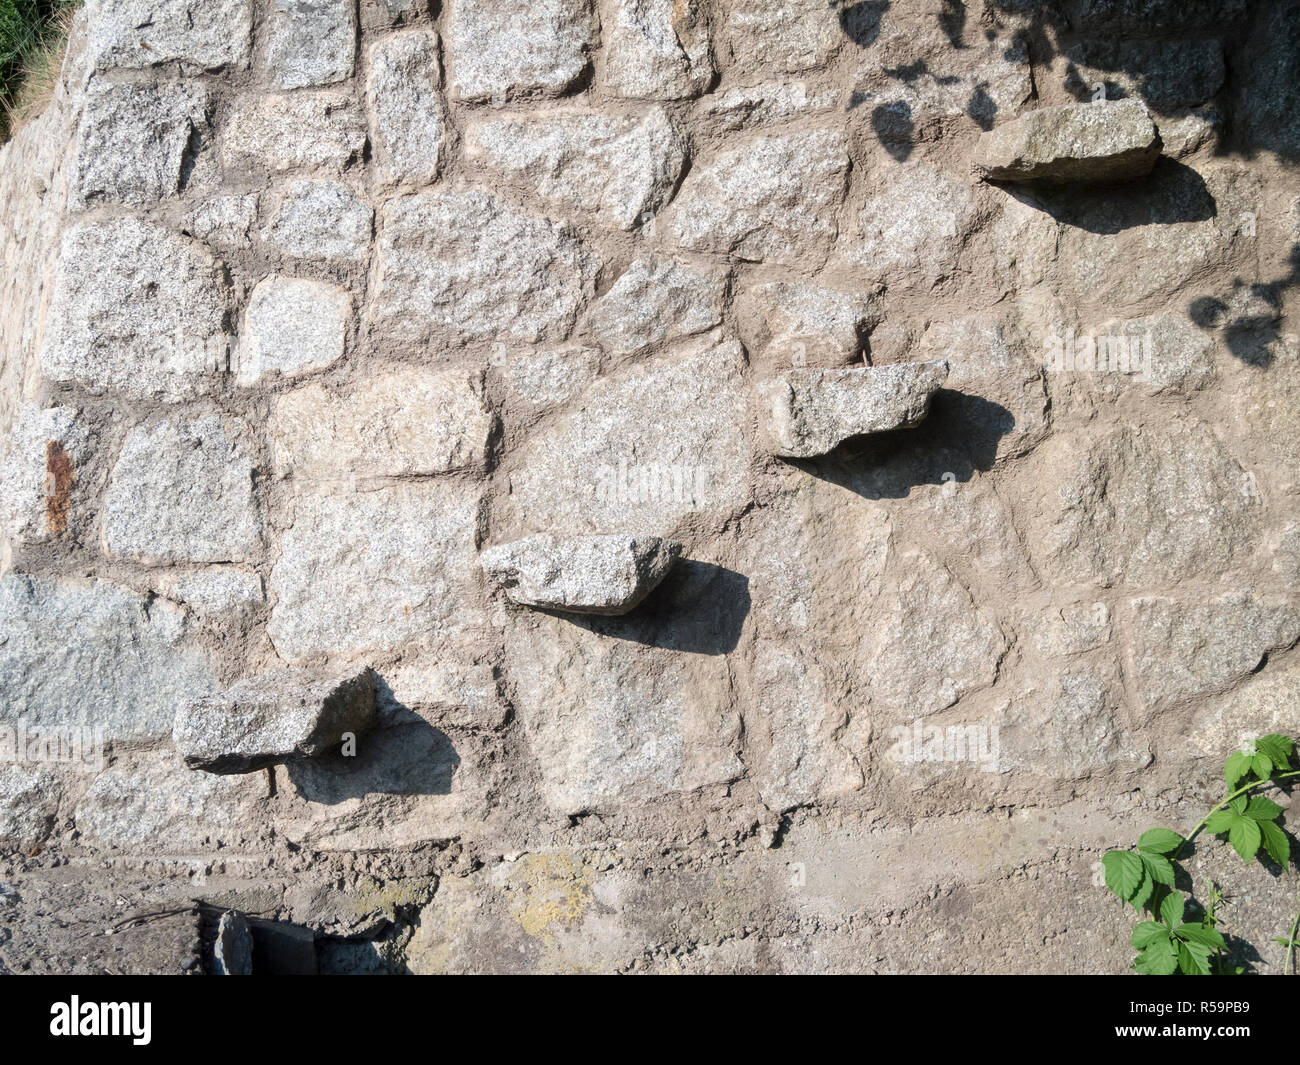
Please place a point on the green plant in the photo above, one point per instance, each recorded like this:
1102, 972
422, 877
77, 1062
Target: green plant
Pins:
27, 30
1147, 877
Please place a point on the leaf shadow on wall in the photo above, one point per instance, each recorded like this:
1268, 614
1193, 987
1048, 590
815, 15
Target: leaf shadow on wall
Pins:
699, 608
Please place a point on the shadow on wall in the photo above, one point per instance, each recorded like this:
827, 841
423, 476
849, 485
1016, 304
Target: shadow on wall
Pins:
1176, 55
699, 608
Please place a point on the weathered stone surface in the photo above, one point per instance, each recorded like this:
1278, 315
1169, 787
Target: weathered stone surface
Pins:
1171, 352
157, 806
225, 221
658, 49
29, 803
546, 378
290, 131
272, 718
929, 644
135, 141
182, 491
1186, 647
1092, 142
42, 460
464, 265
770, 199
407, 125
914, 223
201, 34
232, 951
619, 170
642, 450
1265, 705
811, 756
606, 574
311, 43
650, 722
509, 48
402, 424
292, 326
657, 300
782, 35
1165, 75
450, 693
217, 591
809, 412
135, 308
751, 106
801, 324
91, 654
1148, 507
367, 572
321, 220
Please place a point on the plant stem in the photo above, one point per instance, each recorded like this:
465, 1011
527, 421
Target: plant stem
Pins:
1227, 799
1290, 945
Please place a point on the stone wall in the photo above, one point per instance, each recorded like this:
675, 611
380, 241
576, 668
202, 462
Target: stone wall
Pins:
307, 303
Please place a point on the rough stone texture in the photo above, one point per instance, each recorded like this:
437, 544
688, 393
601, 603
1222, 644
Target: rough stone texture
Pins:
656, 300
466, 266
361, 573
321, 220
293, 326
773, 198
658, 49
407, 423
38, 476
135, 141
201, 34
311, 43
232, 952
1097, 142
406, 109
607, 574
615, 169
809, 412
508, 48
292, 131
182, 491
1075, 582
274, 717
135, 308
93, 655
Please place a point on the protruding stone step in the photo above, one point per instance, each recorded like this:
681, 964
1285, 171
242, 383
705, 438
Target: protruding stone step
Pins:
272, 718
1095, 142
810, 412
232, 951
600, 574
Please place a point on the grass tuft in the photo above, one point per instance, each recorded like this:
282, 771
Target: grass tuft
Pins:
32, 36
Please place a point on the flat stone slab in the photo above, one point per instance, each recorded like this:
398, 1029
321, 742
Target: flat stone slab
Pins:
602, 574
1077, 143
809, 412
278, 716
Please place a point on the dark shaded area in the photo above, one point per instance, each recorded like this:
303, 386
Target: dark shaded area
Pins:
699, 608
408, 757
959, 438
1172, 193
1251, 337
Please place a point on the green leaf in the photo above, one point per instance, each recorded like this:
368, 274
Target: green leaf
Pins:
1220, 821
1262, 809
1159, 841
1159, 959
1124, 873
1276, 844
1245, 838
1147, 933
1237, 804
1262, 766
1144, 892
1194, 959
1199, 933
1278, 748
1159, 869
1237, 766
1171, 909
